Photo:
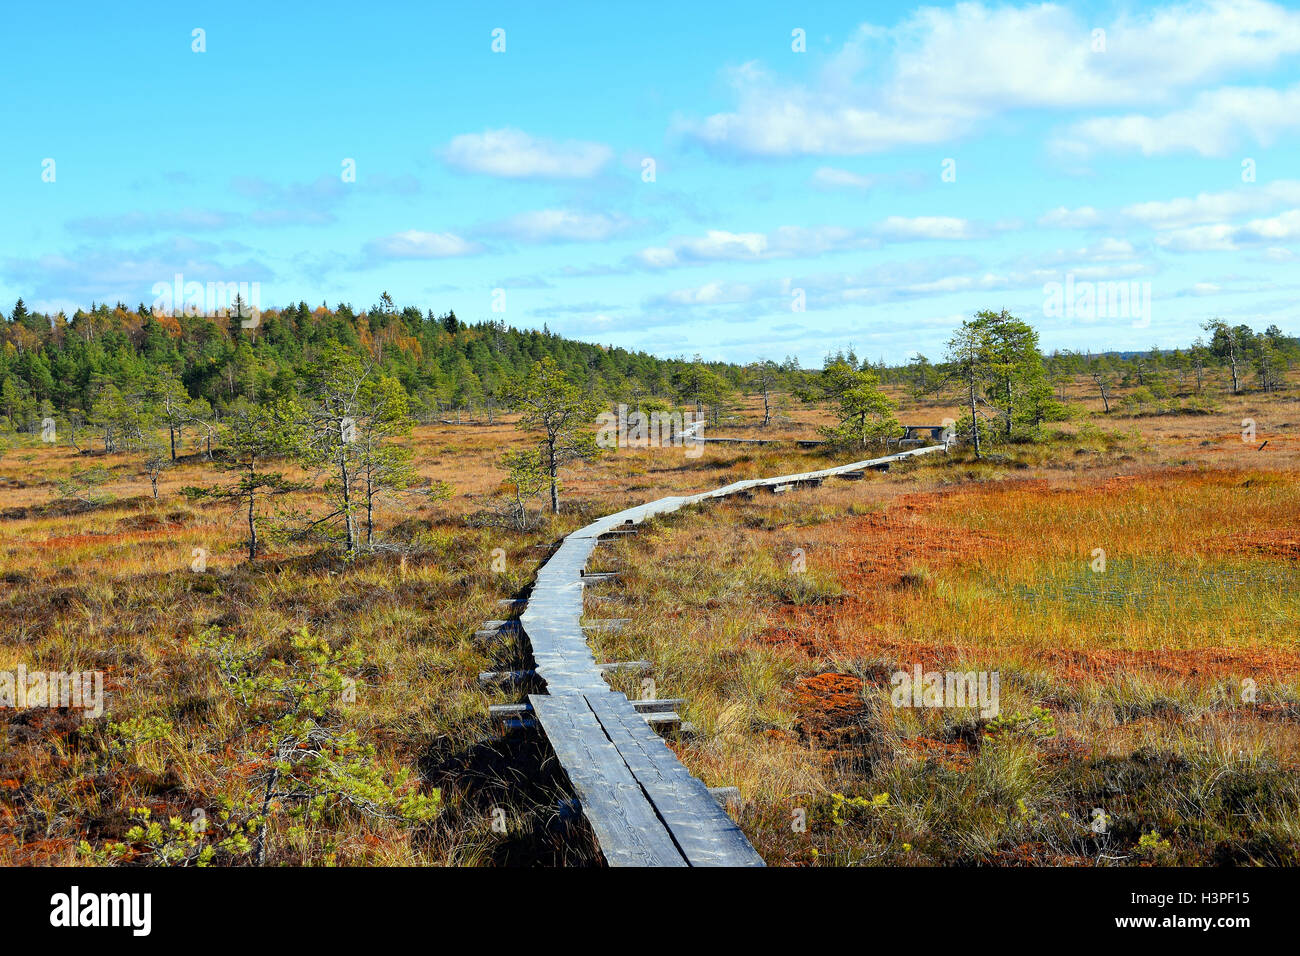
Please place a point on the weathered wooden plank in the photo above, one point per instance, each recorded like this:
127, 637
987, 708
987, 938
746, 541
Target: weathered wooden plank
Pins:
505, 678
658, 705
661, 719
726, 796
701, 828
627, 827
493, 632
510, 710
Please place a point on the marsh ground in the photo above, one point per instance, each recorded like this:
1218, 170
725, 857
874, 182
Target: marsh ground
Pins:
1121, 688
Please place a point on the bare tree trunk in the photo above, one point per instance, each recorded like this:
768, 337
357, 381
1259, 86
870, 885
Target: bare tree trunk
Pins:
1008, 429
348, 520
554, 470
252, 529
370, 510
259, 849
1101, 387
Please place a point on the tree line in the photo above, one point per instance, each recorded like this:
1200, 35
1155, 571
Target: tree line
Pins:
1237, 358
333, 388
82, 368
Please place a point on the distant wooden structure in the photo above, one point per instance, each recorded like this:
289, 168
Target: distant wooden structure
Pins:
920, 435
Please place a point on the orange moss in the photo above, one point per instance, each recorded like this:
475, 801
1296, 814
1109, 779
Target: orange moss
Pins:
1275, 543
96, 538
883, 561
828, 704
951, 756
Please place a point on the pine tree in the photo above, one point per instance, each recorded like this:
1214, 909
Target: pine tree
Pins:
256, 436
563, 413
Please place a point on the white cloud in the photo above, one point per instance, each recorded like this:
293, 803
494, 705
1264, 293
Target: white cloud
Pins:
413, 244
1064, 218
828, 177
714, 244
711, 293
887, 282
559, 225
1042, 54
513, 154
776, 121
1222, 237
1214, 124
1218, 238
902, 228
1103, 250
1107, 250
1215, 207
1282, 228
787, 242
943, 70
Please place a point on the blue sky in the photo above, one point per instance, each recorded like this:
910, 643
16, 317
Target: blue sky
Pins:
799, 201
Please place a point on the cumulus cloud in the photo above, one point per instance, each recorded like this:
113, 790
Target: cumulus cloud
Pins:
513, 154
775, 120
829, 177
1214, 207
903, 228
559, 225
787, 242
1222, 237
1063, 217
414, 244
1216, 122
943, 70
712, 293
916, 279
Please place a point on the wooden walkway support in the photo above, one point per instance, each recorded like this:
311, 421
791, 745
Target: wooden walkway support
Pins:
643, 805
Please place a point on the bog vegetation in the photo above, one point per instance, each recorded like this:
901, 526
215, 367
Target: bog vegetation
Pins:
277, 543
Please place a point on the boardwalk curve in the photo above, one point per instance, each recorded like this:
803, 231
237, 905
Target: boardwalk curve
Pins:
643, 805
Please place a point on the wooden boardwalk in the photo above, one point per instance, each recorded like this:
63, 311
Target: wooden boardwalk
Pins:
643, 805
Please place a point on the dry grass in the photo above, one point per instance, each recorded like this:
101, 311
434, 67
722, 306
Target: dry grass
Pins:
971, 564
1123, 690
